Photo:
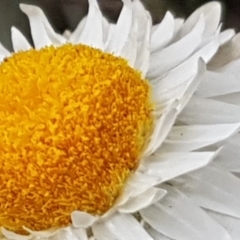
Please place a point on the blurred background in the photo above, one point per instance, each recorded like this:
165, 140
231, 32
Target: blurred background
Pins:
65, 14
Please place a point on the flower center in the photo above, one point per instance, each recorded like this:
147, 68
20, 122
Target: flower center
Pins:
73, 124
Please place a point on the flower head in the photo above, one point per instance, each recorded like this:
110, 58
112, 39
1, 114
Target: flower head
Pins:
103, 130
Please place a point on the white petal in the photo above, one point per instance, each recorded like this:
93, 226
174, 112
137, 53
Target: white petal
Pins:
177, 217
214, 189
82, 219
111, 29
178, 23
208, 111
42, 234
157, 235
171, 165
143, 55
12, 236
161, 129
92, 33
70, 233
232, 98
215, 84
163, 33
143, 200
122, 30
129, 50
120, 227
231, 68
19, 41
144, 23
208, 50
142, 17
3, 52
231, 224
229, 157
105, 27
189, 138
212, 15
42, 32
78, 30
177, 76
187, 94
227, 53
137, 184
179, 82
226, 35
171, 56
80, 233
67, 34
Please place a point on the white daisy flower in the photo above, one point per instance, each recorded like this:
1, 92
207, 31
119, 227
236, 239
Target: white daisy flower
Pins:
120, 131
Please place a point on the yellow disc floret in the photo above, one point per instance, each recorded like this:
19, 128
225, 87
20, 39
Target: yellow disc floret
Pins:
73, 125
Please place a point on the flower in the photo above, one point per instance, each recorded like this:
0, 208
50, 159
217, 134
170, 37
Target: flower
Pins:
84, 136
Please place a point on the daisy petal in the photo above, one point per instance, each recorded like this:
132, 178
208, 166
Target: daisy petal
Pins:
43, 234
3, 52
231, 224
129, 51
73, 38
177, 217
19, 41
226, 35
188, 75
162, 128
156, 235
214, 189
231, 153
212, 15
171, 165
42, 32
109, 34
143, 200
143, 32
12, 235
137, 184
71, 234
208, 50
171, 56
82, 219
122, 30
80, 233
189, 138
38, 31
142, 60
215, 84
92, 33
163, 33
142, 18
231, 68
208, 111
168, 81
105, 28
232, 98
120, 227
178, 23
187, 94
227, 53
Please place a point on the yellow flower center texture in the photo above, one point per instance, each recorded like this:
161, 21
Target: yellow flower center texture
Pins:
74, 122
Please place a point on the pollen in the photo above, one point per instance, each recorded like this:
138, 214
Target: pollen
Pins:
74, 122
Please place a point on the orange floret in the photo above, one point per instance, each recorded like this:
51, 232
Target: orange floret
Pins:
73, 124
